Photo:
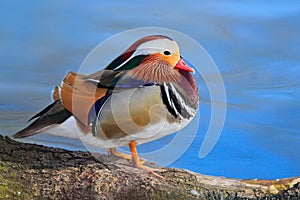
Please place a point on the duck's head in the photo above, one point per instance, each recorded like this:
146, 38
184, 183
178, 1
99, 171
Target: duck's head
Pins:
155, 58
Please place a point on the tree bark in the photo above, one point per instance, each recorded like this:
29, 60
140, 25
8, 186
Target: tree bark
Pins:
29, 171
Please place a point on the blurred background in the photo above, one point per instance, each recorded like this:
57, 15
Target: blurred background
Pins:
255, 45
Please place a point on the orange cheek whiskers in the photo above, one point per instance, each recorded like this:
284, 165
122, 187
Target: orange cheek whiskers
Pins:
155, 69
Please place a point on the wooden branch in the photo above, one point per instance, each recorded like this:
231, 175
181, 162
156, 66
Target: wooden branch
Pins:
29, 171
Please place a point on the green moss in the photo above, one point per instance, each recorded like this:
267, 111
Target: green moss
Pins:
11, 184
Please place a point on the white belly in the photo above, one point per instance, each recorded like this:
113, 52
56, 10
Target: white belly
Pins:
69, 129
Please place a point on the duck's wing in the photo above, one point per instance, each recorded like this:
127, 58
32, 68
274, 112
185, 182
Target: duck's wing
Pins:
78, 96
81, 96
84, 95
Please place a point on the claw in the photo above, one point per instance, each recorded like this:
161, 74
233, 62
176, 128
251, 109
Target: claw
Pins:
136, 161
150, 170
114, 152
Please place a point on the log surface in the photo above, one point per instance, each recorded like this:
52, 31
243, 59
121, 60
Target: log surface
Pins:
29, 171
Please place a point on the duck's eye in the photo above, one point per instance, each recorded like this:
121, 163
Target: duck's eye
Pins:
167, 53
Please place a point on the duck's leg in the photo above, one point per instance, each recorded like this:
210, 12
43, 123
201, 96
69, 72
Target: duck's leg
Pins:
136, 160
113, 151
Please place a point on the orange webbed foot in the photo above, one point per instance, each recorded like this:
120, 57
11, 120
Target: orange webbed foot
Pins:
114, 152
136, 161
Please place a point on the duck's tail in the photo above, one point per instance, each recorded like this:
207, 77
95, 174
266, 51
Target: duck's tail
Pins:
52, 115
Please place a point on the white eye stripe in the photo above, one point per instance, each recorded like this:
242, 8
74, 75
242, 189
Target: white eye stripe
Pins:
159, 45
154, 46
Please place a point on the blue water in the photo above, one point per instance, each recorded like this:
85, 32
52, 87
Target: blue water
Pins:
255, 46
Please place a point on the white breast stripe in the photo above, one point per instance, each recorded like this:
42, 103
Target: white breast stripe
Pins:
166, 88
183, 104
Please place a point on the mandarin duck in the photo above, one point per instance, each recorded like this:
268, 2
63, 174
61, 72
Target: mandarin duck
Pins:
144, 94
